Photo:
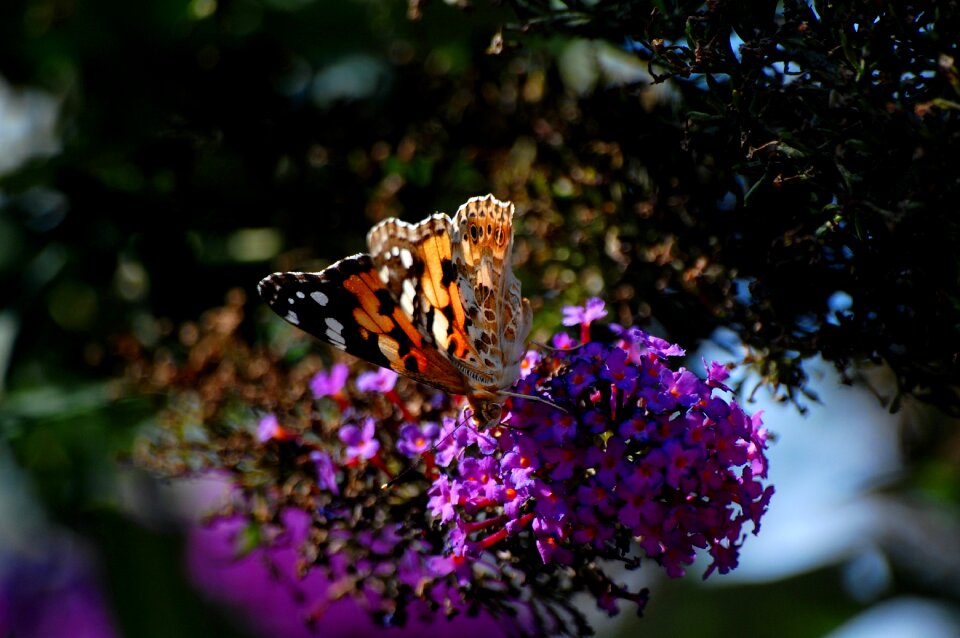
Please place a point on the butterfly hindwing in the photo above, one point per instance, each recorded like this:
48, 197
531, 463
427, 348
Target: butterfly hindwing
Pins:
501, 319
350, 307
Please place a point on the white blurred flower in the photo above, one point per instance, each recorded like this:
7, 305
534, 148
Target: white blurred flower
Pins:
28, 119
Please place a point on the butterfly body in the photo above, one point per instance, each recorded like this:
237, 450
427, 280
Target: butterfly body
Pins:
436, 301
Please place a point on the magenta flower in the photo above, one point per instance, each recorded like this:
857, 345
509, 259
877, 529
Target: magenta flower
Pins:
53, 591
381, 380
273, 599
619, 372
444, 495
563, 461
717, 373
328, 384
551, 551
645, 342
268, 428
583, 316
580, 315
531, 359
451, 441
326, 471
417, 439
479, 476
563, 341
360, 442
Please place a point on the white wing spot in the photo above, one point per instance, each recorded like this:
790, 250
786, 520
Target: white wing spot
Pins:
333, 333
335, 326
409, 294
300, 294
335, 338
440, 330
384, 273
395, 251
319, 297
406, 258
292, 318
290, 300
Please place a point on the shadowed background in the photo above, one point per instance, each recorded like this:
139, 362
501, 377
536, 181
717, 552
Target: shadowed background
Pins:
789, 189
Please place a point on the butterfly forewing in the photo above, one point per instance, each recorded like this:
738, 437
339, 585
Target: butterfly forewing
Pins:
348, 306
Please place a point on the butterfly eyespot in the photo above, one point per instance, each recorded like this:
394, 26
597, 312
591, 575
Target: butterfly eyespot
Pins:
473, 232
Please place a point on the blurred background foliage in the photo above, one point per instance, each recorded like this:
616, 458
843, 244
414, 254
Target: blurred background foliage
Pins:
781, 174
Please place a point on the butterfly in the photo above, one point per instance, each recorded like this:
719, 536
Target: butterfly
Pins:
435, 301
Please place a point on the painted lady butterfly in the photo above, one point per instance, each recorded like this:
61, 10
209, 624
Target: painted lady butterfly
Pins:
435, 301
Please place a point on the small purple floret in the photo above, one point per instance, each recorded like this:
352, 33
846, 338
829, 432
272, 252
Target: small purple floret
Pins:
360, 442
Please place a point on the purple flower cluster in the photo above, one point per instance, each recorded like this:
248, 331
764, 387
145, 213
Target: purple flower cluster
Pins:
624, 457
638, 451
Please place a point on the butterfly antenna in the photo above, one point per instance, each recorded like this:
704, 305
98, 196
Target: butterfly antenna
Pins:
413, 464
532, 397
552, 349
409, 468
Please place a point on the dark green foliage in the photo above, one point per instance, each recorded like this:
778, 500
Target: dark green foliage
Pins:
814, 158
835, 126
